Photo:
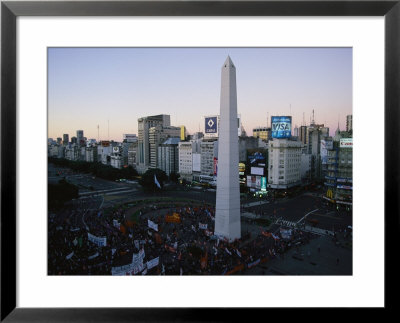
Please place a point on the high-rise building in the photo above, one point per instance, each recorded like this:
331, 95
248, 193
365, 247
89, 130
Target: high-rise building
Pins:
143, 150
339, 176
80, 138
185, 151
208, 151
157, 135
284, 163
183, 133
65, 139
303, 135
59, 141
227, 209
168, 156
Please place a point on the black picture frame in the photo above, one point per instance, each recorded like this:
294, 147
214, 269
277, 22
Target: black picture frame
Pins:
10, 10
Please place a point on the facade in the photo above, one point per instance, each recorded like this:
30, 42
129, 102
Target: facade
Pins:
339, 176
246, 143
157, 135
168, 156
143, 150
91, 153
227, 209
284, 163
72, 152
116, 161
132, 153
316, 133
208, 151
303, 135
185, 152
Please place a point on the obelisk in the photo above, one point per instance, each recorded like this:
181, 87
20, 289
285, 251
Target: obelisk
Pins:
227, 210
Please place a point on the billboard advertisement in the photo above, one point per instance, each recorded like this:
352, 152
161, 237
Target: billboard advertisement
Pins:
263, 183
281, 127
196, 162
257, 171
325, 146
346, 143
256, 158
211, 125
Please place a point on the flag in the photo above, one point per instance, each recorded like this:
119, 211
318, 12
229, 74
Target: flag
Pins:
274, 236
156, 181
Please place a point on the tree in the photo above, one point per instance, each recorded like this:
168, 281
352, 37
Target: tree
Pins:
148, 180
59, 194
174, 177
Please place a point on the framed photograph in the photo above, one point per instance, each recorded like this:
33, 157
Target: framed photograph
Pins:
97, 97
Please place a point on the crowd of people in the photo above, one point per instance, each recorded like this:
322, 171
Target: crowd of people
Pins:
164, 238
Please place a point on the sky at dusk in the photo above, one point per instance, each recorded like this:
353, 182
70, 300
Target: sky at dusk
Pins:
88, 87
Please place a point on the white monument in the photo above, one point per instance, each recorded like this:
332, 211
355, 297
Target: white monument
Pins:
227, 210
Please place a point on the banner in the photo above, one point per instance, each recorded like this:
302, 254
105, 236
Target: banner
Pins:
174, 218
152, 263
254, 263
93, 256
99, 241
136, 242
202, 226
123, 270
116, 224
267, 234
152, 225
286, 234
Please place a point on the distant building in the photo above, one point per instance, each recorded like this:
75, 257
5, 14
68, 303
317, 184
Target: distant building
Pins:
72, 152
349, 123
116, 161
132, 153
263, 133
183, 133
79, 137
143, 150
65, 139
157, 135
59, 141
91, 153
303, 135
74, 140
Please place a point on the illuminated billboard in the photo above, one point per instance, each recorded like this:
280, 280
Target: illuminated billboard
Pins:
211, 125
281, 127
346, 143
257, 171
325, 146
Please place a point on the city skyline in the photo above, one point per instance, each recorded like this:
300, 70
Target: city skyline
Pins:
88, 87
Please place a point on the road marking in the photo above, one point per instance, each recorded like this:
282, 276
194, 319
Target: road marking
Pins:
306, 215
